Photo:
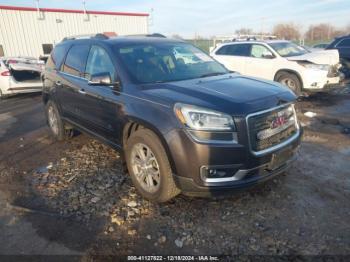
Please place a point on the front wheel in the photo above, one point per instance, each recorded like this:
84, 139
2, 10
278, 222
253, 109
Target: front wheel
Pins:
149, 167
291, 81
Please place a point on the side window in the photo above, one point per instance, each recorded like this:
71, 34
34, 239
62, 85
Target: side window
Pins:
260, 51
76, 60
235, 50
345, 43
239, 50
99, 62
56, 58
222, 50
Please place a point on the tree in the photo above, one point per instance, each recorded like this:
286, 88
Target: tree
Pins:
287, 31
244, 31
176, 36
347, 29
322, 32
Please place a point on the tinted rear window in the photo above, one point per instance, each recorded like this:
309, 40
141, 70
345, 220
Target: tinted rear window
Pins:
56, 58
235, 50
76, 60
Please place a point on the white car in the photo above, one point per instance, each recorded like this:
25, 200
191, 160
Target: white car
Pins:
20, 75
281, 61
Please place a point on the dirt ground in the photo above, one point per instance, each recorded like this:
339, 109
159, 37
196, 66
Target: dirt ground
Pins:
73, 198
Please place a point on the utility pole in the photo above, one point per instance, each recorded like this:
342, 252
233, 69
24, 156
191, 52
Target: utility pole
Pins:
86, 16
38, 10
150, 19
262, 26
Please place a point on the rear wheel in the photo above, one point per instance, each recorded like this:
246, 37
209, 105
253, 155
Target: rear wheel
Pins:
149, 167
57, 127
291, 81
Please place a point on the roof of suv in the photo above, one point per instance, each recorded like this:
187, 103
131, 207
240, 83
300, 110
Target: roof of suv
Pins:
256, 42
125, 39
219, 45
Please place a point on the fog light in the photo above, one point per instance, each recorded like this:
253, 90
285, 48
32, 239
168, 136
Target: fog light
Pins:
212, 173
217, 172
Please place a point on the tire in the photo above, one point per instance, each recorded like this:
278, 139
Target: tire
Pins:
55, 123
291, 81
2, 96
164, 187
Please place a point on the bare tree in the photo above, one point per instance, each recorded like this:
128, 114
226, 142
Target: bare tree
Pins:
322, 32
244, 31
347, 29
288, 31
176, 36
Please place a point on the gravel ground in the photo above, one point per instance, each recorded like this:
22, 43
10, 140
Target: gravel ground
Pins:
305, 211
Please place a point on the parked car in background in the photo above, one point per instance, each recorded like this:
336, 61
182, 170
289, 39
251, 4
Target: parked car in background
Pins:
342, 44
20, 75
182, 121
281, 61
320, 46
315, 48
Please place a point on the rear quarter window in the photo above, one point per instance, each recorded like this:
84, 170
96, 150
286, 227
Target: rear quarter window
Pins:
57, 56
76, 60
235, 50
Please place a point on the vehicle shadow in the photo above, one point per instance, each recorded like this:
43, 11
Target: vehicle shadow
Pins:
19, 96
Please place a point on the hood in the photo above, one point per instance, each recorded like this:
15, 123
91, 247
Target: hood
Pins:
321, 57
232, 93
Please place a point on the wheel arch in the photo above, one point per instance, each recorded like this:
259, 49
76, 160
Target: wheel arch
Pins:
290, 71
133, 124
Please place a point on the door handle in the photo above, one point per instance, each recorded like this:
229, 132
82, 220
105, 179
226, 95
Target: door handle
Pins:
58, 83
82, 91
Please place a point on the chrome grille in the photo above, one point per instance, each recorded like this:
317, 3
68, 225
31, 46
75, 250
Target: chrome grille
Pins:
267, 129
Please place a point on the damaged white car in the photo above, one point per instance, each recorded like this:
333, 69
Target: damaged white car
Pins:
282, 61
20, 75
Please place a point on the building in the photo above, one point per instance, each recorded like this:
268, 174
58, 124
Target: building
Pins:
33, 32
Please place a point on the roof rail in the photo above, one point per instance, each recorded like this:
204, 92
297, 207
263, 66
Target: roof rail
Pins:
150, 35
86, 36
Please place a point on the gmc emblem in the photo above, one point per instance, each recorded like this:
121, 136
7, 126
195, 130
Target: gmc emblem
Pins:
278, 121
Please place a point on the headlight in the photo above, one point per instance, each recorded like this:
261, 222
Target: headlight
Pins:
203, 119
315, 66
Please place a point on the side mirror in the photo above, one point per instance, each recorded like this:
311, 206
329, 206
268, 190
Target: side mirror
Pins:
268, 56
100, 79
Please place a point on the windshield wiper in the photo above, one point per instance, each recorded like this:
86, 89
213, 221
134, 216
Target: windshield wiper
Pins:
212, 74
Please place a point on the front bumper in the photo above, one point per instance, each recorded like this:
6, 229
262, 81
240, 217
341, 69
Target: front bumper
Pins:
189, 187
189, 157
318, 80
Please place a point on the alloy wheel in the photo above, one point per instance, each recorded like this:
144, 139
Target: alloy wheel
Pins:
289, 83
145, 167
53, 121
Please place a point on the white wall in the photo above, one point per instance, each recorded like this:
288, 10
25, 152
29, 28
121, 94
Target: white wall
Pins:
22, 33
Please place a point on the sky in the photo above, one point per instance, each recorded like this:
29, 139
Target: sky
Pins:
215, 17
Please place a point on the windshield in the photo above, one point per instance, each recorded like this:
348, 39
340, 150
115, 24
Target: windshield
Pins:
166, 62
287, 49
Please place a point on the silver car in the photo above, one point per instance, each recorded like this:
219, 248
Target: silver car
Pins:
20, 75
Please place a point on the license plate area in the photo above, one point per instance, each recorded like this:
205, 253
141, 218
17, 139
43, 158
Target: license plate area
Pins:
279, 158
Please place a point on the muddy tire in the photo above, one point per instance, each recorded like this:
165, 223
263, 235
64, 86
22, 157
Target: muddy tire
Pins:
55, 123
291, 81
149, 166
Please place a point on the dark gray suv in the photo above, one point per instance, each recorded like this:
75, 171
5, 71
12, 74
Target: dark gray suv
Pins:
182, 122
